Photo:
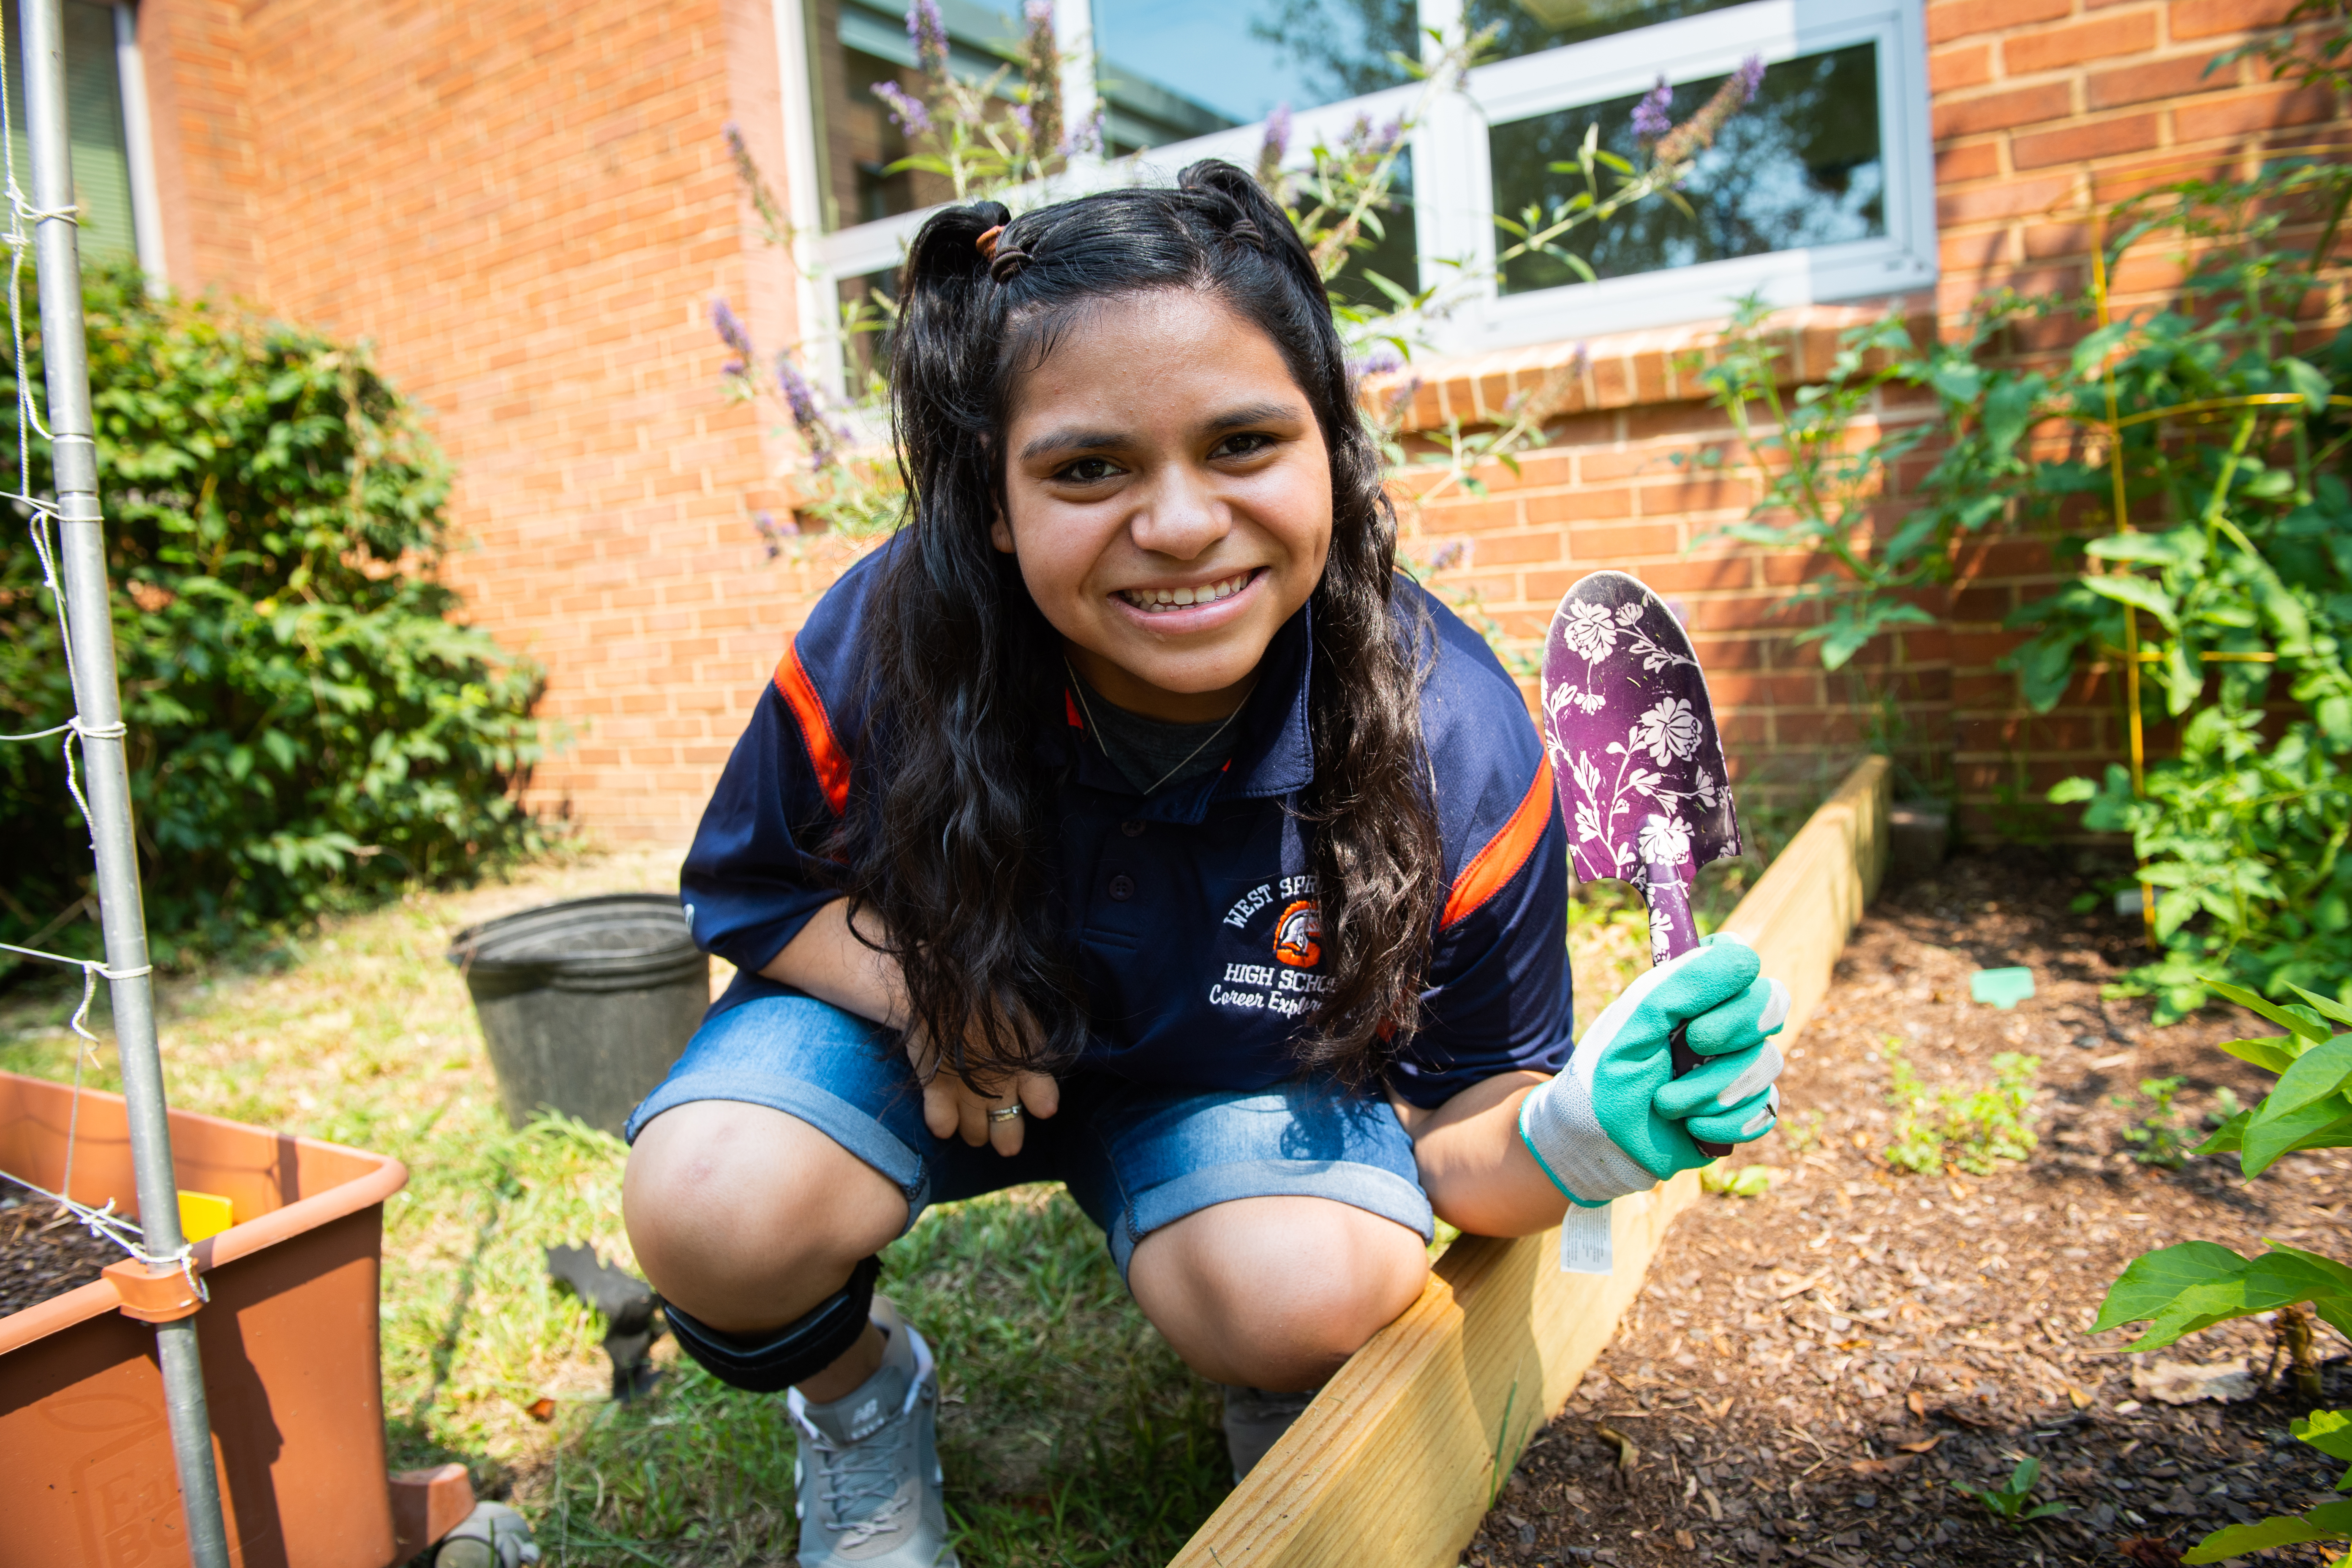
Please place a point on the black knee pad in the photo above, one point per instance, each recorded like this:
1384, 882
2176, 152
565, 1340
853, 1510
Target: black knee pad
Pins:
801, 1349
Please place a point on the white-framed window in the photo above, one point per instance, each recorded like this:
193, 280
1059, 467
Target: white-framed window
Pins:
1822, 189
106, 127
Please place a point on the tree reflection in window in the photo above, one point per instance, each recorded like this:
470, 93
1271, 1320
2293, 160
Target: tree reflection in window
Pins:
1167, 73
1800, 167
1530, 27
1341, 48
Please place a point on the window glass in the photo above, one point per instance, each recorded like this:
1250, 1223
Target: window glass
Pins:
1529, 26
1799, 166
1169, 69
852, 48
101, 164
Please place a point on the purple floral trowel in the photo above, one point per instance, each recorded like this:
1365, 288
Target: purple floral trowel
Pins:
1636, 756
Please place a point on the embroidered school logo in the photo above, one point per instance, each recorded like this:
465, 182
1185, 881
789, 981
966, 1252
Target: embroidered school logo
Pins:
1296, 934
1288, 987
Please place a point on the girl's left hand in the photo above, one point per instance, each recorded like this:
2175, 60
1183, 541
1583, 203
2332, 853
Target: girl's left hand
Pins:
952, 1108
1618, 1121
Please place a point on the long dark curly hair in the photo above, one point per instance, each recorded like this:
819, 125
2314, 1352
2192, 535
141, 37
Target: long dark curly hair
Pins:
954, 848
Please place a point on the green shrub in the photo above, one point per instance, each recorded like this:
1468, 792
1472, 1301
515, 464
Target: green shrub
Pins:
2192, 465
2193, 1285
2205, 530
2237, 583
308, 718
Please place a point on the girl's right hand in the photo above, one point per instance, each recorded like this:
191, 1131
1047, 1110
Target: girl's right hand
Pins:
829, 961
952, 1108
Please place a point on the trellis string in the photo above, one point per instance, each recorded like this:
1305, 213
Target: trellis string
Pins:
102, 1223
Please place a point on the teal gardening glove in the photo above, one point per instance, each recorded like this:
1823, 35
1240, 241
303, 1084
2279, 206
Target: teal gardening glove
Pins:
1618, 1121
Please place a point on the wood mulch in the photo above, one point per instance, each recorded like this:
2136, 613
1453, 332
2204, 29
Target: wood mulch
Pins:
1807, 1375
44, 1253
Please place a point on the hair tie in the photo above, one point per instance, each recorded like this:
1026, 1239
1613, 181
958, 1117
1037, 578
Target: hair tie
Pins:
1247, 233
1007, 262
986, 243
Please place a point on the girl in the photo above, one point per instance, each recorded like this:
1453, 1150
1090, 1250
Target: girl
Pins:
1128, 822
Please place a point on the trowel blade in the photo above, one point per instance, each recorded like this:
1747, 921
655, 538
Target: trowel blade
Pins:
1634, 750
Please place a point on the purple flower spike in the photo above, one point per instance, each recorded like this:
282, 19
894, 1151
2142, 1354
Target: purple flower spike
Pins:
1652, 118
1381, 359
730, 328
1038, 13
1751, 77
1020, 116
1084, 140
928, 31
1276, 145
904, 107
799, 396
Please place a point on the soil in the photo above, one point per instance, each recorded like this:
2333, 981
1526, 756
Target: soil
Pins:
1808, 1374
44, 1253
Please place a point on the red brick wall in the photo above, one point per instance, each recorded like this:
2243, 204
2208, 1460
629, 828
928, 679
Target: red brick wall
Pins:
207, 165
528, 207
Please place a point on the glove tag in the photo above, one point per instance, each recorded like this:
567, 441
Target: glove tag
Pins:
1584, 1241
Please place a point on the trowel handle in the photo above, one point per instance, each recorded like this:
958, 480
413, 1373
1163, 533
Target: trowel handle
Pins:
1672, 933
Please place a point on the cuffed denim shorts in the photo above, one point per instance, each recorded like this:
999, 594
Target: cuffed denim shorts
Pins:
1136, 1156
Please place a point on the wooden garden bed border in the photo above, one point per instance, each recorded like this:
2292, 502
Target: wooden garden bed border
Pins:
1396, 1462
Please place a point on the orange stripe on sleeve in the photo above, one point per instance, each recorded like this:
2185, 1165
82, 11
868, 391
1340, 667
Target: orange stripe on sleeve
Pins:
1500, 860
824, 751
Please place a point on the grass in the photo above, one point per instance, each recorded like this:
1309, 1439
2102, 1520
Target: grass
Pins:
1071, 1435
1070, 1432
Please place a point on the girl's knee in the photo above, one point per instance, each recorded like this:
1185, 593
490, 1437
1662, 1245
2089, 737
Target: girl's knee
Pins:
1276, 1293
734, 1208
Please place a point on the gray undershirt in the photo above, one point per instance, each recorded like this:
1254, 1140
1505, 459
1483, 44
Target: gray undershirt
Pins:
1146, 750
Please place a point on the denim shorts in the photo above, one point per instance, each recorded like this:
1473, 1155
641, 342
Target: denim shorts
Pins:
1136, 1156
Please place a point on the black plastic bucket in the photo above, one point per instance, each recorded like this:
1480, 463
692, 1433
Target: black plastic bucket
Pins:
584, 1004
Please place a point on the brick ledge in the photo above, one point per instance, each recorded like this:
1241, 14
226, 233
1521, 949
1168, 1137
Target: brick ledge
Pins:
1621, 370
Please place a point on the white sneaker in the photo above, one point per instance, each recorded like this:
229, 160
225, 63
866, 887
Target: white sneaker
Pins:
492, 1536
868, 1471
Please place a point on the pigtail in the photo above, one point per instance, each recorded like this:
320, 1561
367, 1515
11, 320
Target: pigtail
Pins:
943, 289
1250, 216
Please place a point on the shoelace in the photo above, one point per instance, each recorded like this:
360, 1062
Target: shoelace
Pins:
865, 1472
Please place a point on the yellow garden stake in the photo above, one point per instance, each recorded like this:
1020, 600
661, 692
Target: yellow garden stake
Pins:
2115, 424
2115, 429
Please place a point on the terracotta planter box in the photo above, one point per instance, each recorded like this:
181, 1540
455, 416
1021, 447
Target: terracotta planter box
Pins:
289, 1353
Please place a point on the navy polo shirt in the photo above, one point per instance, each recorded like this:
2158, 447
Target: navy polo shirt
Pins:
1191, 913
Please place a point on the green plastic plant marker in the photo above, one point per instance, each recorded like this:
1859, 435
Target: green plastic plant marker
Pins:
2002, 988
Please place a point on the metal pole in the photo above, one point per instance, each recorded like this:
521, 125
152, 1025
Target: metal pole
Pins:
98, 704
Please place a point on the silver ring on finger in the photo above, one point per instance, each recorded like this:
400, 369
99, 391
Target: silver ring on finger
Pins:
1005, 1114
